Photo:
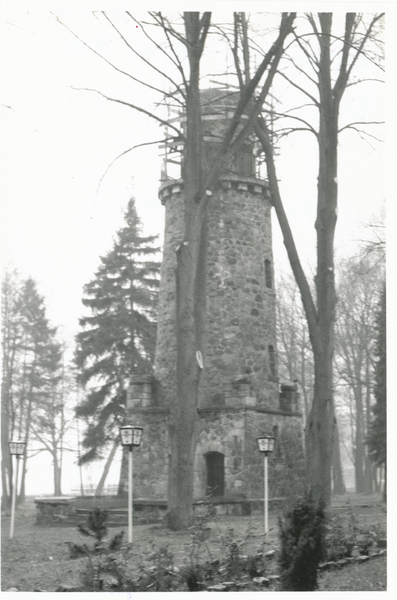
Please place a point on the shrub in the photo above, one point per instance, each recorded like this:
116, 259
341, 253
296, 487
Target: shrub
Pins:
342, 538
302, 537
96, 527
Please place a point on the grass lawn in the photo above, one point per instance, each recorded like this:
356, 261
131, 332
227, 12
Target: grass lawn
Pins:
37, 559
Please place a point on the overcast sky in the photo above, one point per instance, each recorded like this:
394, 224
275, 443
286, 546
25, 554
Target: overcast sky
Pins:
57, 142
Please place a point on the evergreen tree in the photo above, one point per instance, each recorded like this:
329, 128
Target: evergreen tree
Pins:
118, 338
378, 427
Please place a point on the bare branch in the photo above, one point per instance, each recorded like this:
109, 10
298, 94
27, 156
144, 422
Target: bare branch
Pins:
289, 242
288, 130
204, 26
351, 83
308, 128
138, 108
362, 135
161, 22
113, 65
298, 87
301, 70
177, 61
177, 87
350, 125
234, 50
312, 59
312, 22
363, 42
126, 152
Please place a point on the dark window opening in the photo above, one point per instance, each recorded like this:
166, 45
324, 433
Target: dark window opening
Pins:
215, 463
272, 360
268, 273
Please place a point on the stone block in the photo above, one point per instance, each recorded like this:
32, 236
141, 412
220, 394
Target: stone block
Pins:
249, 401
232, 400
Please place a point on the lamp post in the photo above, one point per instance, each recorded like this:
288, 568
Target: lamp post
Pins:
130, 436
266, 445
16, 449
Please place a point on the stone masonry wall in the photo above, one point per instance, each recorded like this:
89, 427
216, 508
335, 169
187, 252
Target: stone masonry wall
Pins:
285, 463
165, 356
151, 457
234, 432
240, 305
240, 301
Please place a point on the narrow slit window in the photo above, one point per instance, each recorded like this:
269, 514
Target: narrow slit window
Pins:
268, 273
272, 360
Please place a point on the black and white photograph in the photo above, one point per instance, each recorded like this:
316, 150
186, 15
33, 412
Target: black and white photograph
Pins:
193, 201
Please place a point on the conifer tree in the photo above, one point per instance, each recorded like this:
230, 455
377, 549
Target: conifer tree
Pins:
118, 338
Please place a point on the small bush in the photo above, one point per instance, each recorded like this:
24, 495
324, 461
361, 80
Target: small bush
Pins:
302, 537
344, 537
96, 527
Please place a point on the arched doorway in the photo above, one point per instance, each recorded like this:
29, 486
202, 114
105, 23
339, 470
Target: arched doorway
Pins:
215, 463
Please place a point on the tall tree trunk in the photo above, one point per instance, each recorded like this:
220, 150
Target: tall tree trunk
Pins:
359, 456
6, 462
57, 473
338, 483
22, 492
106, 469
190, 304
321, 422
369, 466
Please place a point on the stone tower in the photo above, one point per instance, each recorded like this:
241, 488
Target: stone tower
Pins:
241, 398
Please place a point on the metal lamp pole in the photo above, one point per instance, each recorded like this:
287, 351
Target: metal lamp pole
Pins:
266, 445
130, 494
130, 436
17, 449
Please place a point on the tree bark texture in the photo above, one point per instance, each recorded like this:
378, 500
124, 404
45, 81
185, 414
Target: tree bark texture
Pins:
338, 483
190, 292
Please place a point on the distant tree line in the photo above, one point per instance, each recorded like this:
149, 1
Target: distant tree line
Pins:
116, 339
359, 361
33, 396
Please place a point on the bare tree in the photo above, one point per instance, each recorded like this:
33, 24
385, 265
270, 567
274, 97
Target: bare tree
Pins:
359, 286
326, 83
11, 338
295, 359
295, 355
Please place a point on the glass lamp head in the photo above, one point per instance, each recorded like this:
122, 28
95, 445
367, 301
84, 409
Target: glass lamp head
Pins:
130, 435
17, 448
266, 443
